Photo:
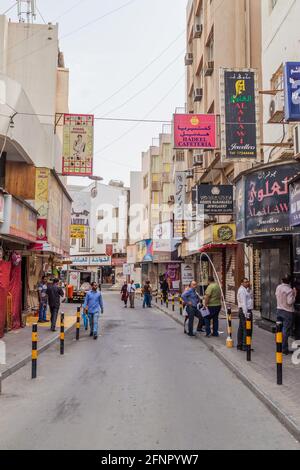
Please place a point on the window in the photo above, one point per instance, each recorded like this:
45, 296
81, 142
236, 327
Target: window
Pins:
74, 242
100, 240
115, 238
100, 215
115, 212
83, 243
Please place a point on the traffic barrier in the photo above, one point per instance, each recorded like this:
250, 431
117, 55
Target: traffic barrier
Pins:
62, 334
279, 352
173, 303
248, 338
78, 324
229, 342
34, 353
180, 305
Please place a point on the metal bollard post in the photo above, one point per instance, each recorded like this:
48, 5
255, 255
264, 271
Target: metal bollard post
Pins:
34, 354
62, 334
173, 303
279, 352
229, 342
78, 324
181, 305
249, 338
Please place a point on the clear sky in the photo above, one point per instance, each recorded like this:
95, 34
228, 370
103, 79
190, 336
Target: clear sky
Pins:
107, 54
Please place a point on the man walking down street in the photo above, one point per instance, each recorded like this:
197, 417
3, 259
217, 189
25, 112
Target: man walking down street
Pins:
131, 293
286, 298
213, 301
245, 305
54, 293
43, 300
165, 290
147, 291
93, 304
192, 299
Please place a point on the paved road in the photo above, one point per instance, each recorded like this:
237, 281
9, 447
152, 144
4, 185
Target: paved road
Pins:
143, 385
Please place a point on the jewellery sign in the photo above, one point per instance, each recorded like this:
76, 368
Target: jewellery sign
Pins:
216, 200
239, 114
292, 91
195, 131
78, 145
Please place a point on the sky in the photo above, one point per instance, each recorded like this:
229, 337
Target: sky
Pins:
142, 40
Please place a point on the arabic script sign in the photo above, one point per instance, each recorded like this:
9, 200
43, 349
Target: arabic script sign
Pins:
267, 200
78, 145
239, 103
195, 131
216, 200
292, 91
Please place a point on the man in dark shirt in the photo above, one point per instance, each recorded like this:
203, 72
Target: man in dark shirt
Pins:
54, 293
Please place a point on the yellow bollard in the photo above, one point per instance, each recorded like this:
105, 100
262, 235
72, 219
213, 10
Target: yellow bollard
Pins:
229, 341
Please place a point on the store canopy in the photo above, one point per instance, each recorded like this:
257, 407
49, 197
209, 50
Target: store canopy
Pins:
213, 246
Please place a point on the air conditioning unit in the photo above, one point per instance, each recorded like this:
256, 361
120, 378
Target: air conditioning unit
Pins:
189, 58
296, 132
276, 108
198, 94
190, 174
198, 159
209, 68
198, 30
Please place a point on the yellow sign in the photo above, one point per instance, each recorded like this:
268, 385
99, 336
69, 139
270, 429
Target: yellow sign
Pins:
224, 233
78, 231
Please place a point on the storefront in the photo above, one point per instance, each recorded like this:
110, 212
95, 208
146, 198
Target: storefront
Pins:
18, 221
263, 222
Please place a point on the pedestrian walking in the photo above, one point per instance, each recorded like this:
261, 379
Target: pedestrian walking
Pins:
54, 293
124, 294
212, 301
286, 298
245, 305
131, 292
192, 299
43, 299
147, 292
93, 305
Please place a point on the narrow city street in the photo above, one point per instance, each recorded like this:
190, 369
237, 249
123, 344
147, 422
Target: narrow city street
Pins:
142, 385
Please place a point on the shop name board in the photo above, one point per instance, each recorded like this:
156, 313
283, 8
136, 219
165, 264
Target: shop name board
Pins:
263, 201
216, 200
195, 131
239, 103
78, 231
91, 261
224, 233
295, 204
78, 145
292, 91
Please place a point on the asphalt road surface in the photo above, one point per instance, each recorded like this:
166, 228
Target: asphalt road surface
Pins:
142, 385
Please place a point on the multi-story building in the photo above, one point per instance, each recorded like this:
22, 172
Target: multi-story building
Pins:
220, 35
37, 207
103, 211
268, 228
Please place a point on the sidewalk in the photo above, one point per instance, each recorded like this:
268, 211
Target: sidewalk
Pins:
260, 374
18, 343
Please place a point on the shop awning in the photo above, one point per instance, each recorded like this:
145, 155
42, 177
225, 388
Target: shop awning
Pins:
214, 246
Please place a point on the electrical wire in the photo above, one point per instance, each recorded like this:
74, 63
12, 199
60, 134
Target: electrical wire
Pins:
135, 95
5, 139
139, 73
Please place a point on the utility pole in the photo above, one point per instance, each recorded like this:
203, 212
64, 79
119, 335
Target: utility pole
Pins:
27, 11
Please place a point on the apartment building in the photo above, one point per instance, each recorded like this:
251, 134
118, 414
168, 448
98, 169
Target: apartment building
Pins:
274, 240
34, 88
220, 34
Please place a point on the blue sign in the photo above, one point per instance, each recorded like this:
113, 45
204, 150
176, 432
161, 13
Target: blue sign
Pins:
295, 204
292, 91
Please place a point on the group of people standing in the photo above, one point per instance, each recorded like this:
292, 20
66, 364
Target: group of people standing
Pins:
49, 294
128, 292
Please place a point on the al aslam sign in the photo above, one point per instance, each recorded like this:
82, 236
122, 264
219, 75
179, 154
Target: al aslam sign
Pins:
195, 131
78, 145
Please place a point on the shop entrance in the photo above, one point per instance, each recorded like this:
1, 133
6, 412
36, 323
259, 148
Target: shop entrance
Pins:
108, 275
275, 264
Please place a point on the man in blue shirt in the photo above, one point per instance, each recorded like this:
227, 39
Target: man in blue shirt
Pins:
192, 299
93, 304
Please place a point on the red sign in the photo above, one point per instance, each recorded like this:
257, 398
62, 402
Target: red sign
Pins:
109, 250
195, 131
42, 230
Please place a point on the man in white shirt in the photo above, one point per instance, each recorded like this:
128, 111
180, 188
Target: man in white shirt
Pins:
245, 304
131, 291
286, 298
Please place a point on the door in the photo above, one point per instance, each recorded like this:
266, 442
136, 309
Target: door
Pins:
275, 264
